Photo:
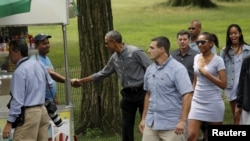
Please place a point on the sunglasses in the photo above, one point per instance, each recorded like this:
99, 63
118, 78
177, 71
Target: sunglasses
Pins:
202, 42
191, 28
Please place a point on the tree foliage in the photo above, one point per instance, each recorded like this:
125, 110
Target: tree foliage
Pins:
100, 100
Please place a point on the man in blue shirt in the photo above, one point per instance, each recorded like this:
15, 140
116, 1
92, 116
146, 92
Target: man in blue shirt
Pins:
43, 47
168, 97
28, 85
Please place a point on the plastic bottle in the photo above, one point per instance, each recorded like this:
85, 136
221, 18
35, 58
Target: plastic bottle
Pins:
26, 38
31, 42
1, 44
22, 38
7, 41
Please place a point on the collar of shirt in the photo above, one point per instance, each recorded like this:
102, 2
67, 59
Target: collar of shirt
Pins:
164, 63
122, 51
244, 48
189, 52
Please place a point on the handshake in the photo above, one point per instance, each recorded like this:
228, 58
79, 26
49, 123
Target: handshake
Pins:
76, 82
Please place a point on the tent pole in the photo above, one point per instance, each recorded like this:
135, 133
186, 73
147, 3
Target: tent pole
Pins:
67, 83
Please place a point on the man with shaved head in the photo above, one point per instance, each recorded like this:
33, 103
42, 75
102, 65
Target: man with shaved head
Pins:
194, 30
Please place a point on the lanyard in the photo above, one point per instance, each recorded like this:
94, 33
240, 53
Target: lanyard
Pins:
22, 62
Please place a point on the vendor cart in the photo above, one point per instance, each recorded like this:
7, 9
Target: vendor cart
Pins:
42, 13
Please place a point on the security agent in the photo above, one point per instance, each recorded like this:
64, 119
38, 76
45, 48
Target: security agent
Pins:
28, 86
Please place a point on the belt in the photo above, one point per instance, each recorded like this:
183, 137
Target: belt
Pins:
135, 88
38, 105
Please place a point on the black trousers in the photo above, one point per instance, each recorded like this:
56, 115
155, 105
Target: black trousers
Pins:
132, 99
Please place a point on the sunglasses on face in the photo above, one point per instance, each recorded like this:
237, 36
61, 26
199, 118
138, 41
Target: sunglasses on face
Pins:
191, 28
202, 42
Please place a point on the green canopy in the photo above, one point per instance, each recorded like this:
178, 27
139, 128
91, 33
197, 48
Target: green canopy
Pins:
11, 7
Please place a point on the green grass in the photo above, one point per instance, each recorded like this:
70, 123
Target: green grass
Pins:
141, 20
155, 19
57, 50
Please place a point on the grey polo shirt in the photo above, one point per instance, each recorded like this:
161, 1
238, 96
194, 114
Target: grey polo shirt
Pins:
187, 60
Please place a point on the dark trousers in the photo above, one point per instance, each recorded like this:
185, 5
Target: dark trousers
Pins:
132, 99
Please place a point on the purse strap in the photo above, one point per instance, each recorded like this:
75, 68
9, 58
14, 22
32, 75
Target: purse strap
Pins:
47, 81
11, 96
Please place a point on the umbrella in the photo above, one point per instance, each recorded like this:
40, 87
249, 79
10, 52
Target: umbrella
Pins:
11, 7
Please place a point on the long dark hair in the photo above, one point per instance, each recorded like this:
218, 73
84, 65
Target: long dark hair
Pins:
211, 37
215, 40
229, 42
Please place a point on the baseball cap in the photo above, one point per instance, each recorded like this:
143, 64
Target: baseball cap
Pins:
40, 37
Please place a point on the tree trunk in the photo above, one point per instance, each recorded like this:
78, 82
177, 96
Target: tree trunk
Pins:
203, 3
100, 100
179, 2
199, 3
229, 0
